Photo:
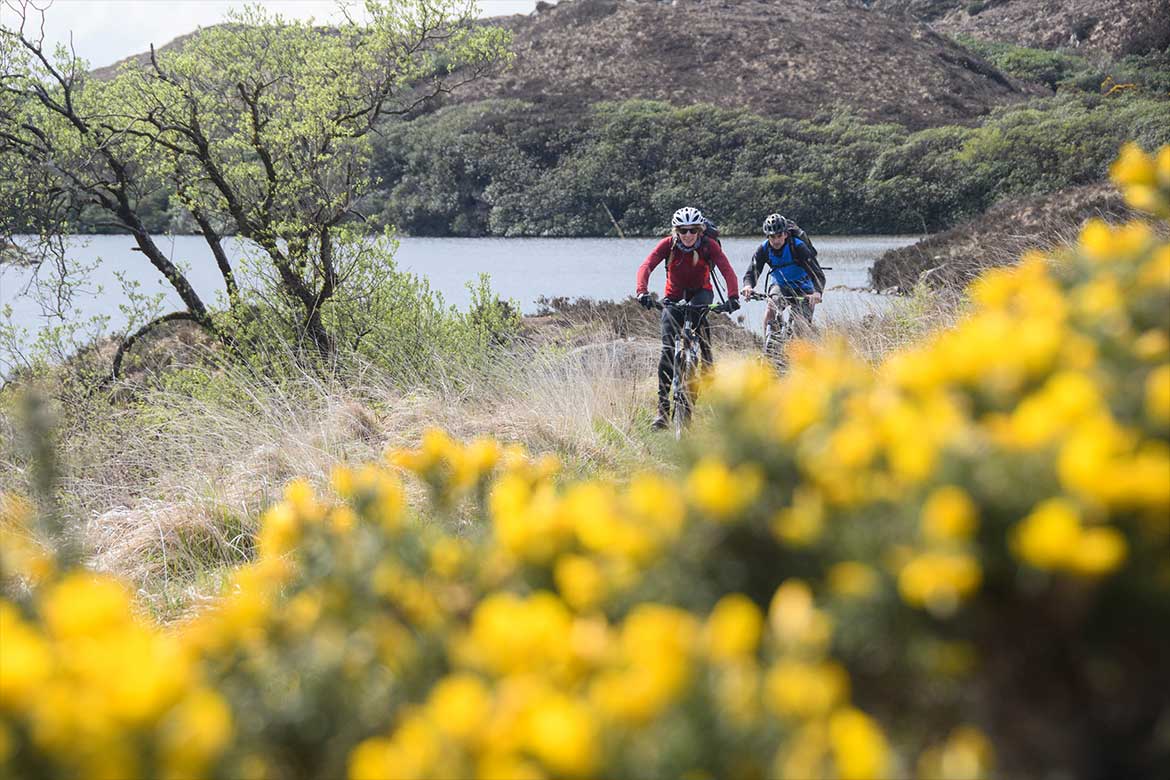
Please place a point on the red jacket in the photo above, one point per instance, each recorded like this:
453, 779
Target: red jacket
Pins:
686, 271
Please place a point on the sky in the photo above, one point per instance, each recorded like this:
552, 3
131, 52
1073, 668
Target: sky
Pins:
105, 31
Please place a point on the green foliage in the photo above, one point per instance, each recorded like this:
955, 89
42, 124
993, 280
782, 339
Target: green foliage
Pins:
388, 319
1064, 70
510, 168
1043, 65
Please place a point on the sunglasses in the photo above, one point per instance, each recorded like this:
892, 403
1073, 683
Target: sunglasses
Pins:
685, 230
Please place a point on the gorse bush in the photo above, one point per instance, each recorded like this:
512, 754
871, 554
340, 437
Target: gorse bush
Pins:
953, 564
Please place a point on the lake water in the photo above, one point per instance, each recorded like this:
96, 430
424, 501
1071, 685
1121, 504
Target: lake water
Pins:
521, 269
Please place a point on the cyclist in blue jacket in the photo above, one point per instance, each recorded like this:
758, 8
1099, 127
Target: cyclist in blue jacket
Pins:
794, 269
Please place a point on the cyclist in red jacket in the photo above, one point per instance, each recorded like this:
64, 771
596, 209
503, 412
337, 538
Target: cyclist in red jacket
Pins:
689, 258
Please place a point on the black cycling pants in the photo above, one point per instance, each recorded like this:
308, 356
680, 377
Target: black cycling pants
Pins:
672, 321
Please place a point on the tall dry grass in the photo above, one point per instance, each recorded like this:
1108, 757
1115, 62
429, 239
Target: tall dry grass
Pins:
904, 320
165, 486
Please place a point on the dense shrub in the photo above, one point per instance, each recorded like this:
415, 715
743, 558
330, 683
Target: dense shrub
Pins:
637, 161
951, 564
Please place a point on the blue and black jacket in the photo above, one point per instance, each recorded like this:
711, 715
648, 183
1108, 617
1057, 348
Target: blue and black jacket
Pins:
791, 266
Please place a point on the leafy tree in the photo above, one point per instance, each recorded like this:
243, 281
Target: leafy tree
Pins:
259, 127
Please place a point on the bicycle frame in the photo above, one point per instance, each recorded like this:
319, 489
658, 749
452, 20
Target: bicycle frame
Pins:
783, 324
687, 359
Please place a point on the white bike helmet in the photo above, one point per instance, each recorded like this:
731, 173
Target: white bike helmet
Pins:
687, 216
775, 223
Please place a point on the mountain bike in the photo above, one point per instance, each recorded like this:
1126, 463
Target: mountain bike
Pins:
792, 319
688, 358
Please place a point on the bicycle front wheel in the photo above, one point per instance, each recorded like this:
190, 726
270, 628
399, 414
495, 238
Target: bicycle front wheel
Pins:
681, 396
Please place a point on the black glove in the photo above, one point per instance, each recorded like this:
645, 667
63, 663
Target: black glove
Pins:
733, 303
646, 301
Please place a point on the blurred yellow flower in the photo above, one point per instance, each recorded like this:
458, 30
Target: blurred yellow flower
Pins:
740, 382
802, 523
1048, 536
342, 520
1158, 395
794, 618
860, 749
280, 531
196, 732
1098, 551
482, 455
448, 556
303, 611
563, 733
26, 661
966, 755
948, 514
510, 633
460, 705
939, 581
299, 495
1154, 344
654, 499
370, 760
1142, 179
653, 628
529, 521
1101, 299
580, 582
853, 445
723, 492
1133, 167
852, 580
806, 755
507, 766
801, 689
85, 605
733, 628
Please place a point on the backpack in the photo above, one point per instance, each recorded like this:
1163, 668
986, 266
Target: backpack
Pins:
798, 233
711, 230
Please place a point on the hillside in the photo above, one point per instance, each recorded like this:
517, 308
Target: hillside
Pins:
793, 59
790, 59
1112, 27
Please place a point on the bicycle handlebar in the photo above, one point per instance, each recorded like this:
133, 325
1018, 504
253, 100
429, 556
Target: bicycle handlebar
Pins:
758, 296
715, 307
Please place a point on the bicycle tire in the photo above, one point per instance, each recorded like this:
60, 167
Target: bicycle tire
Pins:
784, 335
681, 403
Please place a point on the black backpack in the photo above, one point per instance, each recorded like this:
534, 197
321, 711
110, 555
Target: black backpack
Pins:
711, 230
796, 231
